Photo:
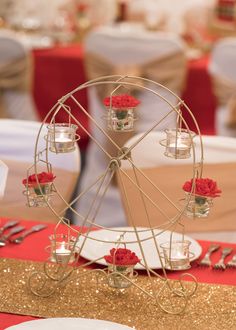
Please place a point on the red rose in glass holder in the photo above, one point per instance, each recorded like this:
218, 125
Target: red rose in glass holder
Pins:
38, 188
121, 115
121, 262
203, 191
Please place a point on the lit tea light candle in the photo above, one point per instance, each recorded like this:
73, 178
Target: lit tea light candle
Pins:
62, 249
176, 255
178, 148
62, 253
63, 143
62, 137
178, 143
178, 260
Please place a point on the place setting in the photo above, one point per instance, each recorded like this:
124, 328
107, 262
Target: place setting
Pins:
184, 249
70, 324
220, 264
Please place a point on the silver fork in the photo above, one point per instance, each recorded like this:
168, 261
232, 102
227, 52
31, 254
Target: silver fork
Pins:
231, 263
4, 238
206, 261
7, 225
34, 229
220, 265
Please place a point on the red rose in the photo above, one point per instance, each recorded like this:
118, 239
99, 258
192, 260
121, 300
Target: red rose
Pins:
121, 101
43, 177
82, 7
121, 257
203, 187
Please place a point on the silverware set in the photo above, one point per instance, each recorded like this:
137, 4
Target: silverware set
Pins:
220, 265
15, 229
5, 238
232, 262
7, 225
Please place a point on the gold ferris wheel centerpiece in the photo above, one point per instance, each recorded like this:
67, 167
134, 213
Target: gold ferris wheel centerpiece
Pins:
67, 242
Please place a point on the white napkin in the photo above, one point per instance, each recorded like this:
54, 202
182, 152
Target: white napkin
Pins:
3, 177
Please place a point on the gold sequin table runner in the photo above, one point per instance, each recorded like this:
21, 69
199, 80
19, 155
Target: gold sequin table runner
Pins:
211, 307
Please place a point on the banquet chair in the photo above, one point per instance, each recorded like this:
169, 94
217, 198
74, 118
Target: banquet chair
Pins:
15, 79
101, 12
222, 68
127, 50
3, 178
169, 175
17, 149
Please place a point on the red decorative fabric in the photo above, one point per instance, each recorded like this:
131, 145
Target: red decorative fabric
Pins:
198, 96
58, 71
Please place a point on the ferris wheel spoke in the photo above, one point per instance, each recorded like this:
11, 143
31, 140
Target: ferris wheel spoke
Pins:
145, 194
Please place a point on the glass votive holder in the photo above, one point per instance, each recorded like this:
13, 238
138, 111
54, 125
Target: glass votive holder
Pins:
121, 276
197, 206
176, 255
62, 248
178, 143
62, 137
121, 119
38, 196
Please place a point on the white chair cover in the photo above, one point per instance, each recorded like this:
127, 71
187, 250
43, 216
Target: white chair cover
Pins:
102, 12
17, 147
3, 178
222, 67
17, 142
15, 79
124, 47
172, 11
217, 149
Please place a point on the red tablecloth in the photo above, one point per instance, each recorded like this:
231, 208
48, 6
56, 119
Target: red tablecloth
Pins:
33, 248
199, 97
59, 70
